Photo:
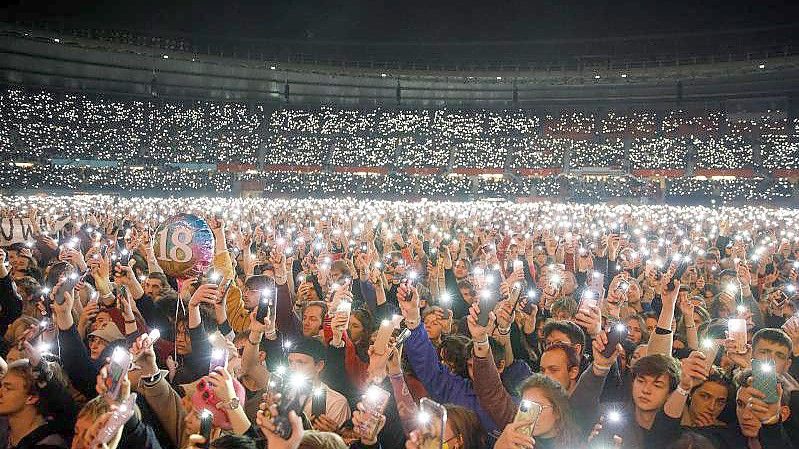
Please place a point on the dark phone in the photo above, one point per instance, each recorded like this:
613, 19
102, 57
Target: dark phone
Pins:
66, 286
290, 399
206, 423
264, 307
528, 305
616, 334
678, 272
46, 303
319, 403
613, 423
487, 304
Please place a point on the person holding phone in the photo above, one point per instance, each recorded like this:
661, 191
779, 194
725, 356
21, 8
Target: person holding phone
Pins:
761, 423
307, 356
441, 383
462, 430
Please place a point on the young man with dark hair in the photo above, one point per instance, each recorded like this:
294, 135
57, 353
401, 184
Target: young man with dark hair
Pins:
761, 423
775, 345
564, 332
561, 363
660, 389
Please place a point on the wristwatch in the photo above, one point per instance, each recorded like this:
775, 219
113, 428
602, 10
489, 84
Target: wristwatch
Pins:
232, 404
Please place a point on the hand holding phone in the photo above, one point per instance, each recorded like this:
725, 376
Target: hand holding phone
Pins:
616, 334
764, 379
66, 285
736, 328
119, 366
374, 403
432, 422
118, 419
528, 411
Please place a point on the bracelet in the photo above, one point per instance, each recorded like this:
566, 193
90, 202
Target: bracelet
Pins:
481, 343
271, 335
682, 391
130, 322
771, 421
409, 323
602, 367
690, 327
503, 331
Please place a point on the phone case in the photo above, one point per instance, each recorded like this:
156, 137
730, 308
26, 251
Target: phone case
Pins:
375, 402
119, 366
615, 336
765, 380
66, 286
528, 411
118, 419
218, 359
486, 306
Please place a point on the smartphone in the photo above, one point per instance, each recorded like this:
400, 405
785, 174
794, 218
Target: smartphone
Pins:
527, 307
528, 411
612, 424
487, 303
736, 329
401, 337
67, 285
218, 358
616, 334
587, 301
294, 395
384, 334
44, 324
319, 402
432, 422
344, 308
764, 379
119, 366
118, 419
265, 305
710, 350
228, 284
206, 424
374, 401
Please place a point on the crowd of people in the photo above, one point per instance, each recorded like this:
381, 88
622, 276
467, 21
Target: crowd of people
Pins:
336, 323
170, 181
38, 125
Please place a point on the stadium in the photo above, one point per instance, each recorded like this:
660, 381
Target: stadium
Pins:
296, 225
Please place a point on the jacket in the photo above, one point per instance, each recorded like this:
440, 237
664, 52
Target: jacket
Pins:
442, 385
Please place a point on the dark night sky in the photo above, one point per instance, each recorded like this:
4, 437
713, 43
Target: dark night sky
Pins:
414, 20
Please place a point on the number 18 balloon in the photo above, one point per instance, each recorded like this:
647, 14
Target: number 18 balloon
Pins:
184, 246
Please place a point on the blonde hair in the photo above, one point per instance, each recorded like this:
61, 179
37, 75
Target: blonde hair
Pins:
314, 439
17, 328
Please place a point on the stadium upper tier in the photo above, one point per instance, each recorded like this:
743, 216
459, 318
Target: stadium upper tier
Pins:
38, 125
576, 54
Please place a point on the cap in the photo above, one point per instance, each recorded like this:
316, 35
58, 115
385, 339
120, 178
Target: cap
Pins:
110, 332
310, 347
